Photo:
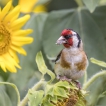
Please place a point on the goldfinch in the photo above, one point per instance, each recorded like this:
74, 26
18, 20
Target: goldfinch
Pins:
72, 62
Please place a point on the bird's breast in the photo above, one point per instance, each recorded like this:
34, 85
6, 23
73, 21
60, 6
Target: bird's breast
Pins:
64, 62
73, 62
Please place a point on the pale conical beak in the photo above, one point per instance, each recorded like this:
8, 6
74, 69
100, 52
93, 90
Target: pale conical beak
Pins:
61, 40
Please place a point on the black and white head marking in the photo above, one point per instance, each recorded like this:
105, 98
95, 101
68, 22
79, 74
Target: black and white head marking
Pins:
78, 37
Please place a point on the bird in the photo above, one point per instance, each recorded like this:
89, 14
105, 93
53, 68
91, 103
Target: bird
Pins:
72, 62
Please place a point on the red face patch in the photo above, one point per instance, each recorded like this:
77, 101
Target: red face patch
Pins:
69, 43
66, 32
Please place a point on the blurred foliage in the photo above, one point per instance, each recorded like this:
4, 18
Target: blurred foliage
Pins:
88, 18
98, 62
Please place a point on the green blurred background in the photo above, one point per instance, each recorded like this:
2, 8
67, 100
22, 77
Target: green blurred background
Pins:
86, 17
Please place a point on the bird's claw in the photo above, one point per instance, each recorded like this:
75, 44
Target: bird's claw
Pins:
64, 78
78, 84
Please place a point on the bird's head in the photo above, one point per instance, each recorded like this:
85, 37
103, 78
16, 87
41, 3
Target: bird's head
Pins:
69, 38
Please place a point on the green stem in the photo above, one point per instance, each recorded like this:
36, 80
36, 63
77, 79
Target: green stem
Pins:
85, 77
92, 79
35, 87
16, 89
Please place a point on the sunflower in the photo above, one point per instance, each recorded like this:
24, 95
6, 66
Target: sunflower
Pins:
28, 6
12, 37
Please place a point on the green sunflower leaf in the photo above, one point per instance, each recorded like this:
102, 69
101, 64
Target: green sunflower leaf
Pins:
52, 75
54, 99
60, 98
48, 104
60, 92
35, 97
98, 62
80, 103
42, 66
64, 84
46, 101
41, 63
50, 92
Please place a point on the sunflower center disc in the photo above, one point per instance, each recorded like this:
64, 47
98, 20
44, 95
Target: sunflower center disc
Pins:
4, 39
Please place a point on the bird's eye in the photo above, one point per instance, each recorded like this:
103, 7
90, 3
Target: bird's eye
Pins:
68, 36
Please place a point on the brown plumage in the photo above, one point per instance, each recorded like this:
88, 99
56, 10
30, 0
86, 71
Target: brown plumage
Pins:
82, 65
64, 63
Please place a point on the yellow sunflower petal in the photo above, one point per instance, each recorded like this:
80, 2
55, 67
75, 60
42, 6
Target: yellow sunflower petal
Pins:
19, 22
11, 60
2, 65
21, 43
19, 49
21, 40
14, 55
10, 68
12, 15
5, 10
27, 5
15, 17
22, 32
